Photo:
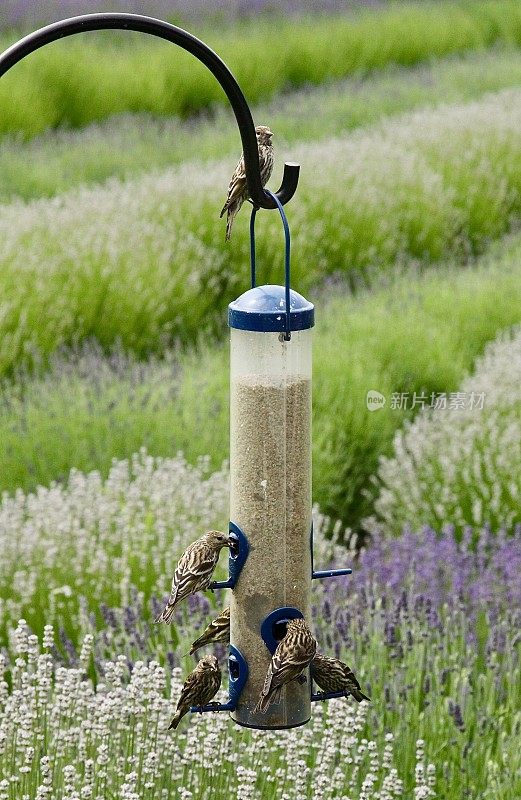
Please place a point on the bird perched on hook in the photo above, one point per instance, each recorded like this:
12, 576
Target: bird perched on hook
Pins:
195, 569
332, 675
293, 654
200, 687
217, 631
238, 189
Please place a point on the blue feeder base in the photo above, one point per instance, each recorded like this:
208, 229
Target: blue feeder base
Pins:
237, 558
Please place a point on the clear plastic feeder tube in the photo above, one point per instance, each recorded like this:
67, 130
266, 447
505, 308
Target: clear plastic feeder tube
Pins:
270, 499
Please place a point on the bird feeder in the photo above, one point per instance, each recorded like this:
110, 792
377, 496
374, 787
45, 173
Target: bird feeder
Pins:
270, 476
271, 565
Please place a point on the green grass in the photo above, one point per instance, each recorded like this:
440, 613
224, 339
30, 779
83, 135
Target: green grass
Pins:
132, 144
83, 80
144, 262
420, 333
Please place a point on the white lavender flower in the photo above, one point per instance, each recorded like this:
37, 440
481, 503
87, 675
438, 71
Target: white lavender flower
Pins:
460, 464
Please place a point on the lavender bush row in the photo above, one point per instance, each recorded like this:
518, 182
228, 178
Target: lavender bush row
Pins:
128, 145
144, 262
417, 662
462, 463
68, 549
415, 335
95, 538
431, 569
113, 740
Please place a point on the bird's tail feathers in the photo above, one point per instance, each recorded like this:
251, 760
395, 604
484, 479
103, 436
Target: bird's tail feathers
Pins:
359, 696
229, 224
266, 700
166, 614
262, 704
233, 209
175, 721
275, 697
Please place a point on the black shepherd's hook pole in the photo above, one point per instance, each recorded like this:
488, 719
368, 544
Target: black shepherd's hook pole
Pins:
156, 27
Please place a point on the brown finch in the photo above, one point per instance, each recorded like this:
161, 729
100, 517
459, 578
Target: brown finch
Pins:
199, 688
293, 654
238, 189
195, 569
217, 631
333, 675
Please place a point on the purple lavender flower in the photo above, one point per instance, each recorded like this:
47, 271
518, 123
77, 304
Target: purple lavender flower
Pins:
455, 713
69, 651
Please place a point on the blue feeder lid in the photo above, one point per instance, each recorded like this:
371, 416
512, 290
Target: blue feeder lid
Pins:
264, 309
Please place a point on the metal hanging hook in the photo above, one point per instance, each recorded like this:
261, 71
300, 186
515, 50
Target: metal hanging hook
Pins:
164, 30
287, 257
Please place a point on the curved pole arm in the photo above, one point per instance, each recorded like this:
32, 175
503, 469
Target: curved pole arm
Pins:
164, 30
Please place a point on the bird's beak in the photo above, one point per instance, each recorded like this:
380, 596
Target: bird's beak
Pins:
233, 544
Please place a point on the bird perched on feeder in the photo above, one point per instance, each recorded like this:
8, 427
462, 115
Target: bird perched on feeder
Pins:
217, 631
332, 675
199, 688
195, 569
293, 654
238, 189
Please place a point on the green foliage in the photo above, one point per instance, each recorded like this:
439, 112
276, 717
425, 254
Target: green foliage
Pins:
417, 334
79, 81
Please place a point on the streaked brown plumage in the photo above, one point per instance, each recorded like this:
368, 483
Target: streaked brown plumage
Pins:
293, 654
217, 631
332, 675
195, 569
237, 189
199, 688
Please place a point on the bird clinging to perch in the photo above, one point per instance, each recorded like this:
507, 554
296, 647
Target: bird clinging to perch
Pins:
195, 569
201, 686
217, 631
293, 654
238, 188
333, 675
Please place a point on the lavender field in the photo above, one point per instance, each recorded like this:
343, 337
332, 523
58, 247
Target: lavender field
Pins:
431, 626
114, 397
